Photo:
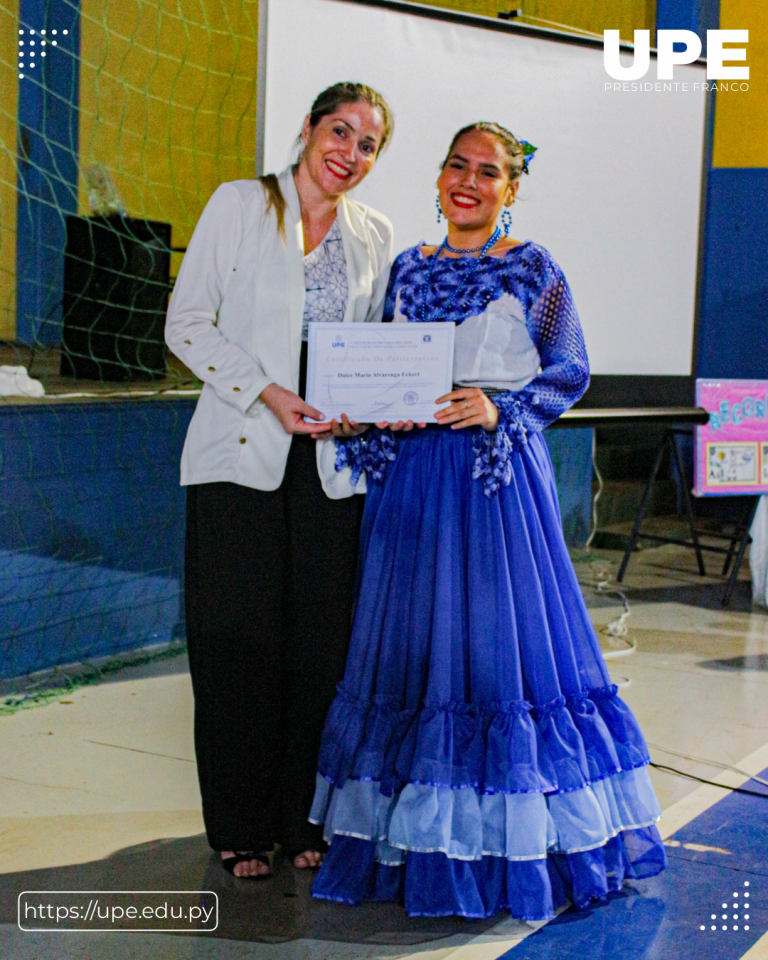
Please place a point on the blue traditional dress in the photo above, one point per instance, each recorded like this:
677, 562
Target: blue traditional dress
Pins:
477, 756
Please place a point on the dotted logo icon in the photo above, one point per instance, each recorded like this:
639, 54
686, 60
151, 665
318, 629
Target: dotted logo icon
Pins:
735, 912
32, 47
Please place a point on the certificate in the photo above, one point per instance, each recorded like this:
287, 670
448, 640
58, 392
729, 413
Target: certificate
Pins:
379, 371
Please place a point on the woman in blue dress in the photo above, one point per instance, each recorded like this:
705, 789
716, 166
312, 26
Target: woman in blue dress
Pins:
477, 756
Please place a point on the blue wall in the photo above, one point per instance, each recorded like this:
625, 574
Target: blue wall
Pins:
91, 529
733, 326
48, 164
571, 453
696, 15
732, 336
92, 525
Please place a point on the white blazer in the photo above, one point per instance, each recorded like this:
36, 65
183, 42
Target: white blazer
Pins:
235, 320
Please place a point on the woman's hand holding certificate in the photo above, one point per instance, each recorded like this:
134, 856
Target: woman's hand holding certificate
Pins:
291, 410
468, 407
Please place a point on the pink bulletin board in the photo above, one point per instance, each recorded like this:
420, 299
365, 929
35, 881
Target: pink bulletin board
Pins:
731, 451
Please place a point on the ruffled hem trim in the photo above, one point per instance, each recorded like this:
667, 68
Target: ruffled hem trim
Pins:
615, 833
490, 793
463, 825
533, 918
485, 853
482, 916
491, 747
434, 886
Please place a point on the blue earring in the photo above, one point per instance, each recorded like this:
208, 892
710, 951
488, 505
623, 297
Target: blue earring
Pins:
506, 219
439, 209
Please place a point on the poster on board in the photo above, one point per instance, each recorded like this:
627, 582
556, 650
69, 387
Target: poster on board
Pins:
731, 451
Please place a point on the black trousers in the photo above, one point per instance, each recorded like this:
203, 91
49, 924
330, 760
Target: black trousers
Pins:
269, 592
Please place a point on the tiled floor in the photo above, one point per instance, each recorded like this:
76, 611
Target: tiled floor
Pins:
99, 791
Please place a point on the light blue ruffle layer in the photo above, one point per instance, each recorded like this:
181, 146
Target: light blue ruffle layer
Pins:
466, 825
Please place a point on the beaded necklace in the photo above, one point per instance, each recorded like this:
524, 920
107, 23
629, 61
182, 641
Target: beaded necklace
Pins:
469, 274
450, 249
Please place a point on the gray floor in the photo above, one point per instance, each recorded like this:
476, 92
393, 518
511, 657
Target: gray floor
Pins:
99, 790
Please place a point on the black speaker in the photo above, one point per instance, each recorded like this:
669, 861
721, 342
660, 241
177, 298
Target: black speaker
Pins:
116, 285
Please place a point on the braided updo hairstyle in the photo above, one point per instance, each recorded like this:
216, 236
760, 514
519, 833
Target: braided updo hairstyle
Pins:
512, 147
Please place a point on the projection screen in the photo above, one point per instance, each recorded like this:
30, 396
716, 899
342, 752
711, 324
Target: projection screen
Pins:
614, 190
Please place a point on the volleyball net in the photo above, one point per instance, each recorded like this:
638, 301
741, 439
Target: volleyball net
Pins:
117, 122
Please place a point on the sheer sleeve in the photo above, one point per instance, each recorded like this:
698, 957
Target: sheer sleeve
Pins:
554, 327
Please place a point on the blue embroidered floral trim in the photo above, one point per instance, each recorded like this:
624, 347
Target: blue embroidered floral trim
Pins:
369, 453
493, 449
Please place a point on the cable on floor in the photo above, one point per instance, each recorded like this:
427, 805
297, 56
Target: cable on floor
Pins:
596, 498
709, 783
603, 582
711, 763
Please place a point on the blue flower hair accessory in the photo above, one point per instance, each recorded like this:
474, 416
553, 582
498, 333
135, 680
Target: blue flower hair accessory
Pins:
528, 151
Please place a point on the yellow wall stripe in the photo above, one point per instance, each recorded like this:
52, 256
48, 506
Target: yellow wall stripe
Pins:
741, 116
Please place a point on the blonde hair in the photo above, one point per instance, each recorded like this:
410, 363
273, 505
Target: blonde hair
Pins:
275, 200
347, 92
325, 103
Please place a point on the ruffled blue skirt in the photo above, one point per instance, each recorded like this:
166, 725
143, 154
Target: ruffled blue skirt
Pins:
477, 756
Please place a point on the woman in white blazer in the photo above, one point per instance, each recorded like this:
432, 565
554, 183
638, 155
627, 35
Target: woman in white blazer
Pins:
272, 527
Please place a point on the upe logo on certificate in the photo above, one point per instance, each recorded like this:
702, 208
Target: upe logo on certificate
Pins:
376, 372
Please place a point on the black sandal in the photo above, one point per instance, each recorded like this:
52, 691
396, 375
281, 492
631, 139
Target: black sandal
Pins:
243, 856
291, 855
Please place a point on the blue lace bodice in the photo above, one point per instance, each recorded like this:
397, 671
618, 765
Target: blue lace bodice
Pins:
528, 285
